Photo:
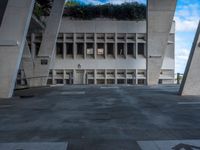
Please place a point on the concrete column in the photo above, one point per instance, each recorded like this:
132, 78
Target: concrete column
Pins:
105, 50
33, 45
95, 76
160, 17
95, 45
27, 63
125, 47
115, 76
191, 82
136, 46
74, 45
13, 31
115, 46
64, 46
47, 48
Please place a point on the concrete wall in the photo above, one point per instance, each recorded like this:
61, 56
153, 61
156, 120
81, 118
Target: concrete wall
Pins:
128, 63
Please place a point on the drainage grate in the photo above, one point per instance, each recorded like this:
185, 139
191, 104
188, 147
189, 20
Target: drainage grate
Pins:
26, 96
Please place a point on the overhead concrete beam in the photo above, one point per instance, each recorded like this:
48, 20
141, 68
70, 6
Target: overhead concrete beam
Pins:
13, 33
47, 49
160, 15
191, 82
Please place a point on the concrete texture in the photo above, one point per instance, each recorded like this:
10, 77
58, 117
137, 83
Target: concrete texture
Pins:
47, 48
13, 33
99, 118
191, 82
159, 21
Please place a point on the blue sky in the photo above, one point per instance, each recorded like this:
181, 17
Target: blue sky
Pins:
187, 17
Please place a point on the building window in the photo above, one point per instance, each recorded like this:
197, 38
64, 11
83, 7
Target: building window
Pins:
59, 81
141, 48
90, 49
141, 81
100, 81
49, 82
110, 81
129, 81
120, 48
130, 48
80, 48
69, 48
110, 48
100, 48
120, 81
37, 48
90, 81
59, 49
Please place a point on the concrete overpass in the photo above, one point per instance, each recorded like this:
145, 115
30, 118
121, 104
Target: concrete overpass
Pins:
15, 17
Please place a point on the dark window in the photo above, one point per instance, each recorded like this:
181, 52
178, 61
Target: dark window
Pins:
80, 48
129, 81
59, 49
49, 81
37, 48
59, 81
130, 48
110, 48
120, 81
140, 48
69, 48
44, 62
3, 4
110, 81
90, 81
141, 81
120, 48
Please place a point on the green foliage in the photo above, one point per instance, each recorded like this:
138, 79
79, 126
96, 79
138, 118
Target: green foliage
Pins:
42, 7
125, 11
71, 3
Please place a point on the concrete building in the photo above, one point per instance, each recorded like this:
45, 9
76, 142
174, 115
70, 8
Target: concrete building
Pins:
101, 52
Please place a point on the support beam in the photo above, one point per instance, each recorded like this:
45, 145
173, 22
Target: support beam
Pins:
191, 82
13, 31
47, 49
160, 17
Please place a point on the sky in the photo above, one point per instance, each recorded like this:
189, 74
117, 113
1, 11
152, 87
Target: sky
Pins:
187, 17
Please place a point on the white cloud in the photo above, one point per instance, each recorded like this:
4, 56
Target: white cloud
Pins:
187, 17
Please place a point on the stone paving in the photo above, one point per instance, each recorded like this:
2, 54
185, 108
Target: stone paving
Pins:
102, 117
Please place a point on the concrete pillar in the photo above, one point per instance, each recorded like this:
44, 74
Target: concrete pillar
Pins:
160, 17
13, 31
27, 63
64, 47
191, 82
47, 48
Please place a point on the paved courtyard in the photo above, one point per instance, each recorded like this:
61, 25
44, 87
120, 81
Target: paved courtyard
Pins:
101, 118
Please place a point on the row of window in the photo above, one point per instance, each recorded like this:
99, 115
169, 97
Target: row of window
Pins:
101, 49
101, 36
100, 81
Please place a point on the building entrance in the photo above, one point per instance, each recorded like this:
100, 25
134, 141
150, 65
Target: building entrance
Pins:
79, 77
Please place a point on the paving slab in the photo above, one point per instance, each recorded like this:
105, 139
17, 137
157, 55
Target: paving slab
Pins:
34, 146
170, 145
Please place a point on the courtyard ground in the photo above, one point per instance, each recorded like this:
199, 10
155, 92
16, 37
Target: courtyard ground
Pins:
102, 118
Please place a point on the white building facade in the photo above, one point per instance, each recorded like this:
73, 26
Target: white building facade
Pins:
102, 52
